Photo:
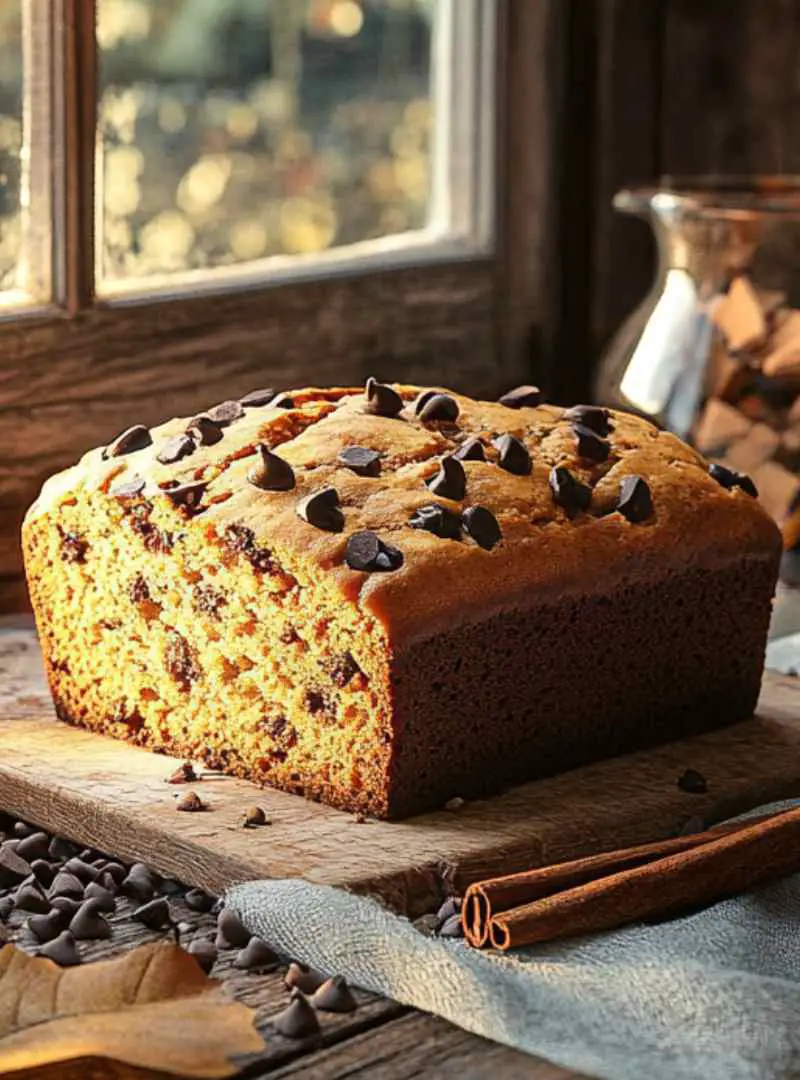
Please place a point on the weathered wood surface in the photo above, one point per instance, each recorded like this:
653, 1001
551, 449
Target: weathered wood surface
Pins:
112, 796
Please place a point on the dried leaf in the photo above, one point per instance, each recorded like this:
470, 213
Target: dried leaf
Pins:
152, 1008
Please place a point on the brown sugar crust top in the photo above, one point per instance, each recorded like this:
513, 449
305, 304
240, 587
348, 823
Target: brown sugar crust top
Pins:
544, 551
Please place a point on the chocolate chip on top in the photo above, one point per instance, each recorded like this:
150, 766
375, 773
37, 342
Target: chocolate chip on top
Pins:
730, 478
271, 473
522, 397
225, 413
179, 446
366, 551
471, 450
591, 445
482, 526
381, 400
634, 501
133, 438
322, 510
451, 481
204, 431
514, 456
437, 519
424, 397
439, 407
130, 489
593, 417
282, 401
187, 495
360, 460
568, 491
257, 397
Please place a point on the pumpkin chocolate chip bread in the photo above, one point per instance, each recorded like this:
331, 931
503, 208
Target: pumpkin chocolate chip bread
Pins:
385, 598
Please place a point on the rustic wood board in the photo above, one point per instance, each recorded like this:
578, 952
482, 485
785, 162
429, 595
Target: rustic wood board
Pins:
114, 797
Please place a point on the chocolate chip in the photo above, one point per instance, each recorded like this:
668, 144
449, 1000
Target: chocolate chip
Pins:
471, 450
590, 445
139, 882
205, 953
514, 456
184, 774
360, 460
450, 907
321, 509
257, 397
46, 927
231, 934
298, 1020
634, 501
13, 869
66, 884
304, 978
522, 397
115, 871
199, 900
104, 897
423, 398
130, 489
204, 431
482, 526
439, 407
155, 914
257, 956
450, 482
6, 907
381, 399
334, 996
282, 401
133, 438
191, 803
366, 551
208, 600
729, 478
271, 473
452, 927
62, 950
225, 413
568, 491
34, 846
73, 547
82, 870
254, 816
61, 848
66, 906
88, 924
29, 898
22, 829
590, 416
438, 520
187, 495
43, 872
692, 782
179, 446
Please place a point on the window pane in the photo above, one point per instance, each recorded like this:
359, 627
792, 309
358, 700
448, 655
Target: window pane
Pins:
231, 130
12, 273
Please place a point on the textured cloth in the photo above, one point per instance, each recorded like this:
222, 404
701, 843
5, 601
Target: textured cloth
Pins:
711, 996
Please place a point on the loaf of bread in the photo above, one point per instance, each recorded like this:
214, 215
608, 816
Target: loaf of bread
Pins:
385, 598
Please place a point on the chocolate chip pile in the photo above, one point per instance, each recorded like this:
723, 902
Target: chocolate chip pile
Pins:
56, 898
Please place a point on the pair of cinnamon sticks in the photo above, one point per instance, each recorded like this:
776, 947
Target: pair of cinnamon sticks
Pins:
603, 892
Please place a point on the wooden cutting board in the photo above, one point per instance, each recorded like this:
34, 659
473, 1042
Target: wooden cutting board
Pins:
114, 797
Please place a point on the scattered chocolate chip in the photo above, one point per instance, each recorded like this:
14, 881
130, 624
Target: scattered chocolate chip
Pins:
130, 489
271, 473
73, 547
205, 953
190, 803
6, 907
46, 927
634, 501
257, 956
471, 450
138, 590
179, 446
35, 846
692, 782
450, 482
381, 399
257, 397
170, 887
360, 460
179, 661
591, 445
439, 407
298, 1020
187, 495
62, 950
282, 401
88, 924
334, 996
155, 914
225, 413
593, 417
253, 817
66, 906
22, 829
29, 898
729, 478
451, 927
66, 884
231, 934
438, 520
103, 896
61, 848
204, 431
450, 907
422, 400
482, 526
322, 510
44, 872
199, 900
115, 871
514, 455
184, 774
133, 438
82, 870
568, 491
522, 397
139, 883
366, 551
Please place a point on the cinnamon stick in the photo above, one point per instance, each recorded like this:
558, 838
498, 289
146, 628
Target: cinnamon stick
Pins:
605, 891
